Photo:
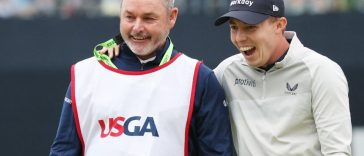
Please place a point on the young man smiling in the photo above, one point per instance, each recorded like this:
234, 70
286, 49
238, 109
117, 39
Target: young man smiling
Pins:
150, 100
299, 102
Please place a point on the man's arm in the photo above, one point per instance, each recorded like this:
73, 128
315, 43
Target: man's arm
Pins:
330, 105
66, 142
211, 120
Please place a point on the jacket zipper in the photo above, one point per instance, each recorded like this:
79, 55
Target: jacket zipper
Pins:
264, 84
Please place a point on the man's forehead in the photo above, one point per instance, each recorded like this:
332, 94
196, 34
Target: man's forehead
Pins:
144, 3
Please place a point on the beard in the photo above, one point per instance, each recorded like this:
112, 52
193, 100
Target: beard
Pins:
150, 46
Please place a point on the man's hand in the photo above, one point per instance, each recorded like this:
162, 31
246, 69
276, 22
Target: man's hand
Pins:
114, 51
111, 52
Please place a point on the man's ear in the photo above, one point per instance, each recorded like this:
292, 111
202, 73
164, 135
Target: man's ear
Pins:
173, 17
281, 24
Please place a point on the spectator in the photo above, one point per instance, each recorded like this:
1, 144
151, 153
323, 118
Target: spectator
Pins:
46, 7
17, 8
70, 8
110, 7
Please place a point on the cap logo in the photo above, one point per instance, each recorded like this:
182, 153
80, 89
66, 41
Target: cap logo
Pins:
242, 2
275, 8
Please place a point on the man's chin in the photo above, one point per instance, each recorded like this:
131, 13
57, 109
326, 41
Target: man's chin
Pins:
138, 50
142, 53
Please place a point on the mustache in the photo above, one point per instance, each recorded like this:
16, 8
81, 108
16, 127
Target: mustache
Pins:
140, 34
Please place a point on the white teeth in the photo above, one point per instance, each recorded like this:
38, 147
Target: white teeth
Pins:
243, 49
139, 38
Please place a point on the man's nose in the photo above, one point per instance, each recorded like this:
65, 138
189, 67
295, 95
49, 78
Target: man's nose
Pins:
241, 35
138, 26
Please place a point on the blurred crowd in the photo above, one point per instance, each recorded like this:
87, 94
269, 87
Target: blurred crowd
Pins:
28, 9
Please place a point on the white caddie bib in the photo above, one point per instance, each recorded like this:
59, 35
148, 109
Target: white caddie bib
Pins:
123, 113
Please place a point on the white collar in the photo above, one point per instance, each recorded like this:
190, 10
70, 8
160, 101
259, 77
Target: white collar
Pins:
147, 60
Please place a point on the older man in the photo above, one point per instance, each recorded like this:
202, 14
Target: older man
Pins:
151, 100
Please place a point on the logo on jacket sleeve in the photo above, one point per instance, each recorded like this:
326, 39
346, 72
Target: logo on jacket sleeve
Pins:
132, 126
67, 100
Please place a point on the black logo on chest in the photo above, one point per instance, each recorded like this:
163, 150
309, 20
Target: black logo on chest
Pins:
291, 89
245, 82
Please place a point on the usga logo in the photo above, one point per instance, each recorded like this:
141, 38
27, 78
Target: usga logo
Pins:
139, 128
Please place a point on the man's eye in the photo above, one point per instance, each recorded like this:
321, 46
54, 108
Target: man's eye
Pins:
251, 27
149, 18
233, 27
129, 17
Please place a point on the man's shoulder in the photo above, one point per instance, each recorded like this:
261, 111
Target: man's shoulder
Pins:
204, 68
220, 69
319, 65
316, 59
225, 63
300, 52
233, 58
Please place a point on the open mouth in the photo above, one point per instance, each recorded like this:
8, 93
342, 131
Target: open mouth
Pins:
247, 51
139, 38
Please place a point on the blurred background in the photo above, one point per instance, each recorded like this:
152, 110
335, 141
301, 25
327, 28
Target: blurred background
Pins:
41, 39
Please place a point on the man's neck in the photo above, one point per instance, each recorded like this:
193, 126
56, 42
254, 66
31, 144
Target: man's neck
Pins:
280, 53
281, 49
146, 60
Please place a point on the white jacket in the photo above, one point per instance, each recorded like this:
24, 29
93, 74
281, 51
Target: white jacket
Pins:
298, 107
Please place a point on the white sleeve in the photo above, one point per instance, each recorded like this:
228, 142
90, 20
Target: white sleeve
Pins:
330, 105
219, 70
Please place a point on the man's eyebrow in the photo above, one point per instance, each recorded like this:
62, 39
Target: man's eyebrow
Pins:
145, 14
149, 14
